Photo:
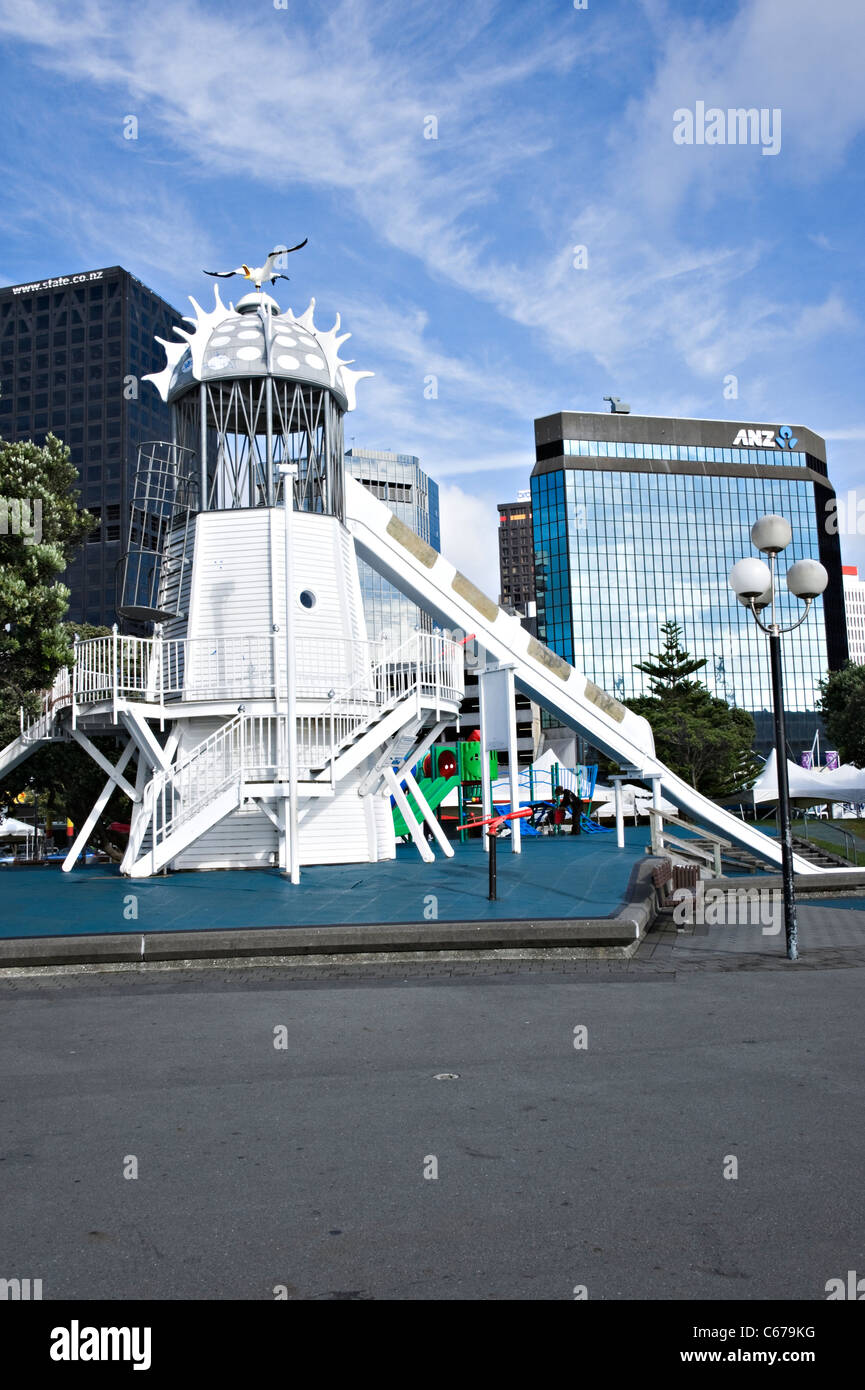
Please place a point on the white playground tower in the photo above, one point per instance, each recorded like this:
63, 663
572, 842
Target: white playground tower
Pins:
284, 723
266, 728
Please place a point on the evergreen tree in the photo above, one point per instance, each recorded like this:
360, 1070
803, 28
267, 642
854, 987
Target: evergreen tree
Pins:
44, 526
702, 738
670, 668
842, 705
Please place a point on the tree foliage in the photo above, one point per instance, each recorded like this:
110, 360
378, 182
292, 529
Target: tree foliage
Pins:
34, 639
65, 781
44, 527
842, 706
702, 738
670, 668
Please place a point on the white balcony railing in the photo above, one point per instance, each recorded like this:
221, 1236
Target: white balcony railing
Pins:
350, 678
253, 748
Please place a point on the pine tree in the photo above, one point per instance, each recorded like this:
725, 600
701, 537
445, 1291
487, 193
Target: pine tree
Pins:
696, 734
669, 669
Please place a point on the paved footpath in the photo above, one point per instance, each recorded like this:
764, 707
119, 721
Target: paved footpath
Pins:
338, 1165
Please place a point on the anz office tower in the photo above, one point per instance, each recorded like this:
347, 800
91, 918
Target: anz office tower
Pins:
638, 519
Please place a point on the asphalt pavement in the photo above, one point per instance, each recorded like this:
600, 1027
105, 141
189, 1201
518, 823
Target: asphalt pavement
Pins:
434, 1129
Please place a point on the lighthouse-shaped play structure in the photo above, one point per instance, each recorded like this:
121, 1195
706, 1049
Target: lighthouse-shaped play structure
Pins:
267, 728
287, 721
256, 723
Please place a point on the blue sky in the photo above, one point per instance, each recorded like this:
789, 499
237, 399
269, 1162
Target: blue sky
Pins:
454, 256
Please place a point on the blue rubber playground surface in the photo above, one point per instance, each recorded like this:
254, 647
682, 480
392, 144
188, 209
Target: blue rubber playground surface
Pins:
561, 876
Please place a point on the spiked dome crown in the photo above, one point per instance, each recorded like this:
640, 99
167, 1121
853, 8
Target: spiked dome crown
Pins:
239, 341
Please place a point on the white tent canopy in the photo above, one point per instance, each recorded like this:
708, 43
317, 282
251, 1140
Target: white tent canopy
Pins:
547, 772
814, 785
13, 829
636, 801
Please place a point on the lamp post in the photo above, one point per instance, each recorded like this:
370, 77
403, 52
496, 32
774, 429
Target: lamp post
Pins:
753, 582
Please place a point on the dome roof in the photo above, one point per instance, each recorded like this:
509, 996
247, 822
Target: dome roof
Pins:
237, 342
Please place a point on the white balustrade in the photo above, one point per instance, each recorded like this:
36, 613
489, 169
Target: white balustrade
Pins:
367, 677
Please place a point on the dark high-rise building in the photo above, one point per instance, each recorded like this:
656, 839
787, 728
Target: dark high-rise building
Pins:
73, 351
638, 519
516, 556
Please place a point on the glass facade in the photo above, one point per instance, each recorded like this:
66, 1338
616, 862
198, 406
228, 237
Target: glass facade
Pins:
619, 551
683, 453
71, 361
399, 481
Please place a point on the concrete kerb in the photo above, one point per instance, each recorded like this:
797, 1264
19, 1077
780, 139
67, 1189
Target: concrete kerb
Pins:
617, 935
837, 883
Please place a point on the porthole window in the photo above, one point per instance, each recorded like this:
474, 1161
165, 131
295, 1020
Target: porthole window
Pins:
307, 598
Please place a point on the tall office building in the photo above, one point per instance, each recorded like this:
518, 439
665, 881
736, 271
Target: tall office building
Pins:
854, 604
516, 559
73, 350
399, 481
638, 519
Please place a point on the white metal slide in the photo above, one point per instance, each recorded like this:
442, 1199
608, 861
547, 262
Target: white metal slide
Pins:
425, 576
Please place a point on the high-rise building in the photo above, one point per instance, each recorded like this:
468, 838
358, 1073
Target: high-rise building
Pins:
73, 350
399, 481
854, 604
516, 558
638, 519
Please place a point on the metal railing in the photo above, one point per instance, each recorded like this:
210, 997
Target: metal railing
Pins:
426, 666
254, 748
161, 671
58, 697
816, 830
176, 794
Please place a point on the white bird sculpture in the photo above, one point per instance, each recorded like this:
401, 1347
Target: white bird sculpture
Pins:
259, 273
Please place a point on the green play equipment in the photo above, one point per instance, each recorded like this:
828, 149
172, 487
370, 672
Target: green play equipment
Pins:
434, 790
448, 766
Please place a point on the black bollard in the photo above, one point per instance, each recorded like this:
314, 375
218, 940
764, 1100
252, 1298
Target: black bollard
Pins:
492, 839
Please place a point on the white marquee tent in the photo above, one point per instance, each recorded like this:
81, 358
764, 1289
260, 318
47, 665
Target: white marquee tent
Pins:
548, 773
809, 785
13, 829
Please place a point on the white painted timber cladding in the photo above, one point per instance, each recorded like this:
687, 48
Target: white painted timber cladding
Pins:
231, 575
238, 590
246, 839
332, 831
176, 582
240, 554
383, 821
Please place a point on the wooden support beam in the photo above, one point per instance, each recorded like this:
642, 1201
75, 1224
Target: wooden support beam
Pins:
103, 762
114, 780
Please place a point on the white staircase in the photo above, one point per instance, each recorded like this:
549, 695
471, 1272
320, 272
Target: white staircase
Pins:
183, 801
248, 756
41, 730
19, 749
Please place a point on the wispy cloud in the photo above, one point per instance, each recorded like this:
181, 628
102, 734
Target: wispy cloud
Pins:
454, 257
305, 107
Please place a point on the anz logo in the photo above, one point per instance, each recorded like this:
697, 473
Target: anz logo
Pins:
766, 439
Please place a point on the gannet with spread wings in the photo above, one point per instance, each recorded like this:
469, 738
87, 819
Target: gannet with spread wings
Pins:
258, 274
